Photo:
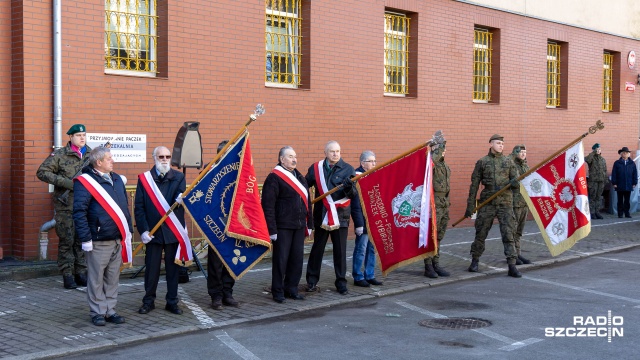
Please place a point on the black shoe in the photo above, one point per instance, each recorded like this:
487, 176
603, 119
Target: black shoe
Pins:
145, 308
280, 300
440, 271
361, 283
627, 215
173, 308
81, 279
98, 320
68, 281
295, 296
598, 216
518, 261
115, 318
230, 301
523, 260
620, 216
429, 272
374, 282
216, 303
513, 271
343, 291
474, 265
312, 287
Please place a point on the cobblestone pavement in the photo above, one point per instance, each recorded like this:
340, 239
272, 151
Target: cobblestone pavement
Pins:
39, 318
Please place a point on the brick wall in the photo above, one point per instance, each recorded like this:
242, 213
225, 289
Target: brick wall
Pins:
214, 73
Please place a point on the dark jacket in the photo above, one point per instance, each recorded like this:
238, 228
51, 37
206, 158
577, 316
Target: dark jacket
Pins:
92, 222
172, 185
283, 207
356, 208
340, 171
624, 176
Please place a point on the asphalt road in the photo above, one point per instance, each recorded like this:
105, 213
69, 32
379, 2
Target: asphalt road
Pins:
523, 318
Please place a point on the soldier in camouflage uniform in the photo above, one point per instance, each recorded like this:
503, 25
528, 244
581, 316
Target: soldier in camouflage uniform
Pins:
59, 170
520, 208
494, 171
441, 178
596, 180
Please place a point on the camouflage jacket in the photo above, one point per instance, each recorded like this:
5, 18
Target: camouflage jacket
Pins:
59, 170
597, 167
441, 178
494, 171
522, 167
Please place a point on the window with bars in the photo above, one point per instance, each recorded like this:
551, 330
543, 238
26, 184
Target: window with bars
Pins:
553, 74
482, 62
130, 36
283, 42
607, 82
396, 54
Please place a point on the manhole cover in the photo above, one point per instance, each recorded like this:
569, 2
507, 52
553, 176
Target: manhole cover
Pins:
455, 323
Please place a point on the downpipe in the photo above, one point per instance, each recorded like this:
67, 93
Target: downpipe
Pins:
44, 238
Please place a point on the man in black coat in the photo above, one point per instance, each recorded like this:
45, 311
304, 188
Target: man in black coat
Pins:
170, 184
331, 216
624, 178
287, 209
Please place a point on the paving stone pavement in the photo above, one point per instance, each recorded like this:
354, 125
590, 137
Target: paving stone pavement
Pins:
40, 319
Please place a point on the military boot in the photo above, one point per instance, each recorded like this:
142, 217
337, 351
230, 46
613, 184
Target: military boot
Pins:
513, 271
429, 271
474, 265
440, 271
68, 281
598, 216
518, 261
81, 279
522, 260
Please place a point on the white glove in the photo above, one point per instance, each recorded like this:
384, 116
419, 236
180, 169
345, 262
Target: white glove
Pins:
145, 237
87, 246
273, 237
179, 200
359, 230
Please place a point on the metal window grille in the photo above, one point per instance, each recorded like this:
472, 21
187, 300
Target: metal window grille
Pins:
130, 35
396, 53
607, 82
482, 59
282, 42
553, 75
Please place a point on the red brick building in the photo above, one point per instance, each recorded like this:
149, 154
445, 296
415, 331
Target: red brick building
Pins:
210, 63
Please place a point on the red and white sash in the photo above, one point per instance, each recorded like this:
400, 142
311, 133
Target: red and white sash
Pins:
184, 253
111, 207
330, 221
292, 181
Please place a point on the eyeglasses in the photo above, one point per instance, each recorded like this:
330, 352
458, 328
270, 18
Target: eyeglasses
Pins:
162, 157
369, 161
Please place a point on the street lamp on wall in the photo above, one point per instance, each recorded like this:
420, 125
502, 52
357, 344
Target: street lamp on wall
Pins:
187, 149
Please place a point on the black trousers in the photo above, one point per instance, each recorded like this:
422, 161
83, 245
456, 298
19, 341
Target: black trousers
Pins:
152, 261
286, 268
623, 202
219, 281
339, 240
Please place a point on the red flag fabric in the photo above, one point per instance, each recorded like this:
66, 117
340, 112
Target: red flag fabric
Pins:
246, 219
558, 199
391, 200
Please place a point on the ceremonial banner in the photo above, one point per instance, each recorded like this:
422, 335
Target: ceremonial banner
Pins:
239, 236
557, 197
391, 200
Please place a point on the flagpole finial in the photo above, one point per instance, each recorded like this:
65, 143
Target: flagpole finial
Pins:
598, 126
257, 112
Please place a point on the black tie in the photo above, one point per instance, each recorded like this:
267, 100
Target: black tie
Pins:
161, 176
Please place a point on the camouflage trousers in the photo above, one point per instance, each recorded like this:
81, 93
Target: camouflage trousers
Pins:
483, 224
442, 221
595, 194
521, 218
71, 259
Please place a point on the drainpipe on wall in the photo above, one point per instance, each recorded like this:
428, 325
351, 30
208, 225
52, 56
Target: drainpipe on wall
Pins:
57, 109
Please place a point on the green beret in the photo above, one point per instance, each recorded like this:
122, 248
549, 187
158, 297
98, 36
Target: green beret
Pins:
496, 137
595, 146
76, 129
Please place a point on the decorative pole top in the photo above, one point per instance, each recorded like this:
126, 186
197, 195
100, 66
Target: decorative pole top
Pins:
598, 126
257, 112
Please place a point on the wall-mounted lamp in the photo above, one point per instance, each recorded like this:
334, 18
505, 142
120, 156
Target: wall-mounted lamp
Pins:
187, 149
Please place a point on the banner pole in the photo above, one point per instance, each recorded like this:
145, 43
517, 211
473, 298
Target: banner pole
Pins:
355, 178
598, 126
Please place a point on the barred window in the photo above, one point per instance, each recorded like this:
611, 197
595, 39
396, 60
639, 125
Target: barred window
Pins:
607, 82
282, 42
396, 54
130, 36
482, 61
553, 74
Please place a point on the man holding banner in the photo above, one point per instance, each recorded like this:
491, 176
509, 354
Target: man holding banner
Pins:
103, 225
156, 191
331, 217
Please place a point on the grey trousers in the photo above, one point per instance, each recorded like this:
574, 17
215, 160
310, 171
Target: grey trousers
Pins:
103, 277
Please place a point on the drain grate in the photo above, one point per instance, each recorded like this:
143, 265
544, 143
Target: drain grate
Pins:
455, 323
